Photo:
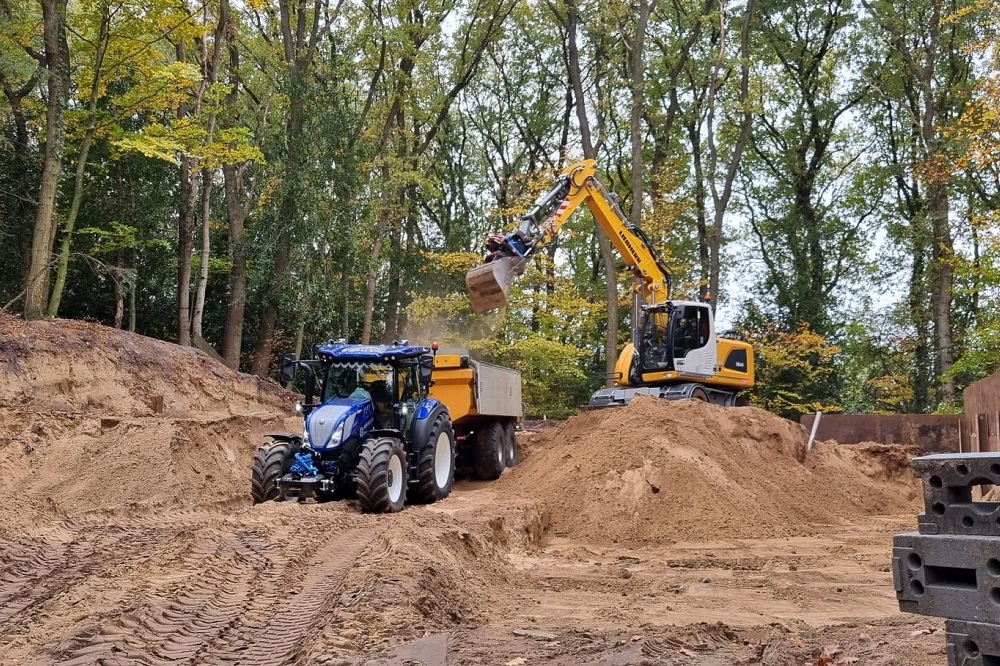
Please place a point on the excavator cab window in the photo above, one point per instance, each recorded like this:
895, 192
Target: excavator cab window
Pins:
655, 341
690, 330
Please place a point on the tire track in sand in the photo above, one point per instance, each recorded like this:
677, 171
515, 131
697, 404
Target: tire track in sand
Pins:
38, 568
245, 602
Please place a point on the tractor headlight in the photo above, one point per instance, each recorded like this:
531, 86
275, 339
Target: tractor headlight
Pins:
338, 436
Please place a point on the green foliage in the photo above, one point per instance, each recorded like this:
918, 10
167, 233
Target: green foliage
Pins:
554, 382
795, 370
424, 127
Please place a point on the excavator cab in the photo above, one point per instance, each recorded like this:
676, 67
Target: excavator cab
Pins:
677, 336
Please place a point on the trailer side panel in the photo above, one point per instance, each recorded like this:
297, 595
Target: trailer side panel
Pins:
498, 390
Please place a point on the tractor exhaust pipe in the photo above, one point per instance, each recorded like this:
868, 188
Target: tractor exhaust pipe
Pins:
489, 284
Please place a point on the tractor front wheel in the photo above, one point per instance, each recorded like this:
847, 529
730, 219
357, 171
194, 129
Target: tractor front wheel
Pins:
272, 461
382, 476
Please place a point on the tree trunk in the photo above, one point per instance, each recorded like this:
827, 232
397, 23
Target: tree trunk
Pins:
942, 257
701, 214
232, 334
207, 175
380, 231
345, 312
288, 214
81, 166
185, 247
607, 253
299, 44
721, 199
119, 294
131, 304
635, 118
57, 62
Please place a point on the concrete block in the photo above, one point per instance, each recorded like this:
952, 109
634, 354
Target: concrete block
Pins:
972, 643
948, 480
950, 576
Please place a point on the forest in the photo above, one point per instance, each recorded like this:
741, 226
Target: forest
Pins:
263, 176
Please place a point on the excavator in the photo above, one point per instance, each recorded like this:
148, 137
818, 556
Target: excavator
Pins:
675, 352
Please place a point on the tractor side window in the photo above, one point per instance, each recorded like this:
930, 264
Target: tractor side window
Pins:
691, 330
409, 391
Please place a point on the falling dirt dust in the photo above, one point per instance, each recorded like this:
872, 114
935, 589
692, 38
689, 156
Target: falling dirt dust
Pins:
127, 534
658, 470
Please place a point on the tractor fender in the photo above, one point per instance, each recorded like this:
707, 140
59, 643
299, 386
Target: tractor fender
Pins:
285, 437
423, 421
384, 432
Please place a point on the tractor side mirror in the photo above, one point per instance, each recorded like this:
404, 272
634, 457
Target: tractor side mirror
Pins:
288, 368
426, 369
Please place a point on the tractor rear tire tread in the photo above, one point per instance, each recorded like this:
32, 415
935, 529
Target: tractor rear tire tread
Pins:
490, 459
270, 463
426, 489
373, 475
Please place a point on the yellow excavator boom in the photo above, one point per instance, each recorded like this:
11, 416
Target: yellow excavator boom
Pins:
674, 352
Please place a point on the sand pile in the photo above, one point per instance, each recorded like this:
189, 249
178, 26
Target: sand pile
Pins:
58, 465
78, 434
658, 470
66, 365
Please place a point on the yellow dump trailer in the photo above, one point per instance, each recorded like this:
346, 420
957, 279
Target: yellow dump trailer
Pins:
484, 401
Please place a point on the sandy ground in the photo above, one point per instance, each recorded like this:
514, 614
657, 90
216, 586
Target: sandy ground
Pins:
463, 582
127, 536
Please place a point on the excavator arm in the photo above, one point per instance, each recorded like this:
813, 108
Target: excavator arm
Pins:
507, 254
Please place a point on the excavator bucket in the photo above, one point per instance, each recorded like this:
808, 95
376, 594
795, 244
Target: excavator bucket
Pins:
489, 284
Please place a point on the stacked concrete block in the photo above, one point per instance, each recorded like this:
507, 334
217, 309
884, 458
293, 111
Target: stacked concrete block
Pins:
950, 567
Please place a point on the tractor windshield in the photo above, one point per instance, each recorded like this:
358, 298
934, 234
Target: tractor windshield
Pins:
358, 380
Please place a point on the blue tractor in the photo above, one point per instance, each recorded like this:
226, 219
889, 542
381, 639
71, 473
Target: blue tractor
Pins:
372, 433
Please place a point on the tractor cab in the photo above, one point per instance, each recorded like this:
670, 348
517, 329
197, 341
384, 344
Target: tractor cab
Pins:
394, 378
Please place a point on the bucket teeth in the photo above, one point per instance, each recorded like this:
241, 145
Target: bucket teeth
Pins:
489, 284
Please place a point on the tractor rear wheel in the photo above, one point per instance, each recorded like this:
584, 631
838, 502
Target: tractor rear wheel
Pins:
272, 461
382, 475
436, 463
510, 444
700, 394
490, 451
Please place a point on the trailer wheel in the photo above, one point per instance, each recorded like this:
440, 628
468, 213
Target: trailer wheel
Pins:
382, 476
272, 461
490, 454
510, 444
436, 463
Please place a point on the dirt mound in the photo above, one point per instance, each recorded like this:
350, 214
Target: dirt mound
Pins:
78, 433
58, 465
658, 470
66, 365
